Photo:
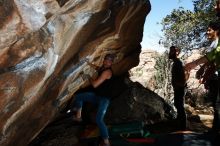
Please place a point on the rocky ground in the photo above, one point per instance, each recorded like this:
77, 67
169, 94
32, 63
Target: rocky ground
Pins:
66, 133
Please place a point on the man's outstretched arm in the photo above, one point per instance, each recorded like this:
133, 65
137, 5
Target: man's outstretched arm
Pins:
194, 64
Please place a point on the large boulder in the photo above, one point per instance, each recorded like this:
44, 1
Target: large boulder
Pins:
44, 49
137, 103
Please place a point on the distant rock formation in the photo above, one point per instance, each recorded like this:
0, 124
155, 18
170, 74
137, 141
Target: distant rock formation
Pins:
145, 70
44, 46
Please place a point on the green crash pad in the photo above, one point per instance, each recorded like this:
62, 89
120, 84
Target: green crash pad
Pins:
125, 130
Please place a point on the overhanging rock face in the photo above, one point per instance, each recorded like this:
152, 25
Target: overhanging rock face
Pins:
44, 49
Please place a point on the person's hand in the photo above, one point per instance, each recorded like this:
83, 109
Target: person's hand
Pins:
85, 77
93, 65
186, 74
200, 72
188, 67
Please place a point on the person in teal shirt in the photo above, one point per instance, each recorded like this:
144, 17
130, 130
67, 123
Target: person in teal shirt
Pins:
211, 57
214, 56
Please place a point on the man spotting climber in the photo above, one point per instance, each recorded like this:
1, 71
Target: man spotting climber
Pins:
179, 86
100, 97
211, 64
211, 57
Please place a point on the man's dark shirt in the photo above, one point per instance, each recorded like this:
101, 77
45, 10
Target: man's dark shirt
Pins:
178, 75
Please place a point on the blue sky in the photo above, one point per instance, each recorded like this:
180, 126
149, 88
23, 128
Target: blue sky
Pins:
159, 9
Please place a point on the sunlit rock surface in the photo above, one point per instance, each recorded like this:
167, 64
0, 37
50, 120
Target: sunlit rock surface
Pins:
44, 46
